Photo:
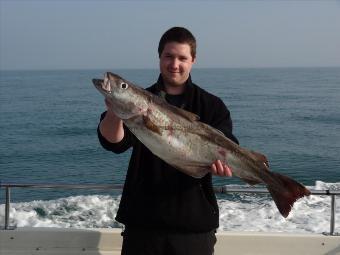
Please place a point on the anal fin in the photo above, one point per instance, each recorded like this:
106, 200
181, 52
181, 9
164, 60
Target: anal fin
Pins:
250, 181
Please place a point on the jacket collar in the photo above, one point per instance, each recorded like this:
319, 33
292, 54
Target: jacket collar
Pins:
158, 89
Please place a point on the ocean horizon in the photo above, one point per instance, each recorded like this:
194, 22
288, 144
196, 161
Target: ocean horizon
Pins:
195, 68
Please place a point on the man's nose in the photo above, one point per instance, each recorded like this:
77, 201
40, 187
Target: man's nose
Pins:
174, 63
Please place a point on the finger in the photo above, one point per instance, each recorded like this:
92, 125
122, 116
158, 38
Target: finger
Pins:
228, 171
213, 168
220, 169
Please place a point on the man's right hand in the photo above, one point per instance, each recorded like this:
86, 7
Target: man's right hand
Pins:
111, 127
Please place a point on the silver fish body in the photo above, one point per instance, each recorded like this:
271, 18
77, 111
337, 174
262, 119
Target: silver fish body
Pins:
180, 139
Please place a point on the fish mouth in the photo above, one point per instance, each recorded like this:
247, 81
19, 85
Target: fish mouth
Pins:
101, 85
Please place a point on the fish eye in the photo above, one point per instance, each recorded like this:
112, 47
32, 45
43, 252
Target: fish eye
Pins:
124, 85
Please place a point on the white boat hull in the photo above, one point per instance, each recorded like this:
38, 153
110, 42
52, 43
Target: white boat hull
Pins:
56, 241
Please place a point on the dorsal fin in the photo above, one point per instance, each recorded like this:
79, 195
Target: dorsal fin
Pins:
185, 114
259, 156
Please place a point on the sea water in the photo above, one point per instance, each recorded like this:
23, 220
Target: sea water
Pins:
48, 122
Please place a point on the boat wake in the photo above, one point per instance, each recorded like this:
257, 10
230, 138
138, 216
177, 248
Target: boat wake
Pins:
246, 212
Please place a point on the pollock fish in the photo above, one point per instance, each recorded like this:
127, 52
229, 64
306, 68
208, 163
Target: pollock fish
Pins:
180, 139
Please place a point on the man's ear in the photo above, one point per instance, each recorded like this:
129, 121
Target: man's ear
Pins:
194, 60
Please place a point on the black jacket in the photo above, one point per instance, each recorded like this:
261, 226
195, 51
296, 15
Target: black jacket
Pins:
156, 195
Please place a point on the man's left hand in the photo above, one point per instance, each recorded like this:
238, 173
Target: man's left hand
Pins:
217, 168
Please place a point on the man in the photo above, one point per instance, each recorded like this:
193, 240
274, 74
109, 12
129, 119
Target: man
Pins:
165, 211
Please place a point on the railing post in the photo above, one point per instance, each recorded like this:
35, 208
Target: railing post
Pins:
332, 222
8, 198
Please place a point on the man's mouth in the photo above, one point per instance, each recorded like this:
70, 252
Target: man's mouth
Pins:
174, 72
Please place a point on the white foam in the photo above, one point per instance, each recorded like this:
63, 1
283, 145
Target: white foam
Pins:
309, 215
76, 212
242, 213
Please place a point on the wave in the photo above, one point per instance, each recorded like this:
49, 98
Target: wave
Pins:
259, 213
246, 212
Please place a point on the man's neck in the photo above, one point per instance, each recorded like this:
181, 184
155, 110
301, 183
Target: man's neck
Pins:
174, 89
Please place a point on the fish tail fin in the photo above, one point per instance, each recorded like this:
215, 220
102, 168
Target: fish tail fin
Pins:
287, 193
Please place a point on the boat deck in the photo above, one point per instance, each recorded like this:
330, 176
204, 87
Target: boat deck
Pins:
56, 241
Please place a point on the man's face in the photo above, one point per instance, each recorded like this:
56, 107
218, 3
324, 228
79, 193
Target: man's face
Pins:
175, 63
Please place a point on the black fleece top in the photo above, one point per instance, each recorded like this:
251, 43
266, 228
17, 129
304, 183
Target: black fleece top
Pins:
158, 196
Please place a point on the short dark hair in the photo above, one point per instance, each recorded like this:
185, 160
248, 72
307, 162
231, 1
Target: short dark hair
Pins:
179, 35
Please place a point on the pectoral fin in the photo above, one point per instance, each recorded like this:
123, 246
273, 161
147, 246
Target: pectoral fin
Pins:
150, 125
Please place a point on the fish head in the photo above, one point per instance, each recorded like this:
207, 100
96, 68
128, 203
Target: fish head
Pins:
127, 100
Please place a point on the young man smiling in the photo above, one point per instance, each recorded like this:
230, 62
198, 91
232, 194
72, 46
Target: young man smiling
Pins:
165, 211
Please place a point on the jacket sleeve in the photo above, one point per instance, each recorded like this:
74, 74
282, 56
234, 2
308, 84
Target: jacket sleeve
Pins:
119, 147
222, 120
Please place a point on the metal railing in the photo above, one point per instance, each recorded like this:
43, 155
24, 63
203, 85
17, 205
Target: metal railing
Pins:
219, 190
8, 186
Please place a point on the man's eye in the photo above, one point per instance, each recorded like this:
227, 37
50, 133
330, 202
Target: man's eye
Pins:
124, 85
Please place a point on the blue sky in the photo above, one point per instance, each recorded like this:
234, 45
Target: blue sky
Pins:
124, 34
